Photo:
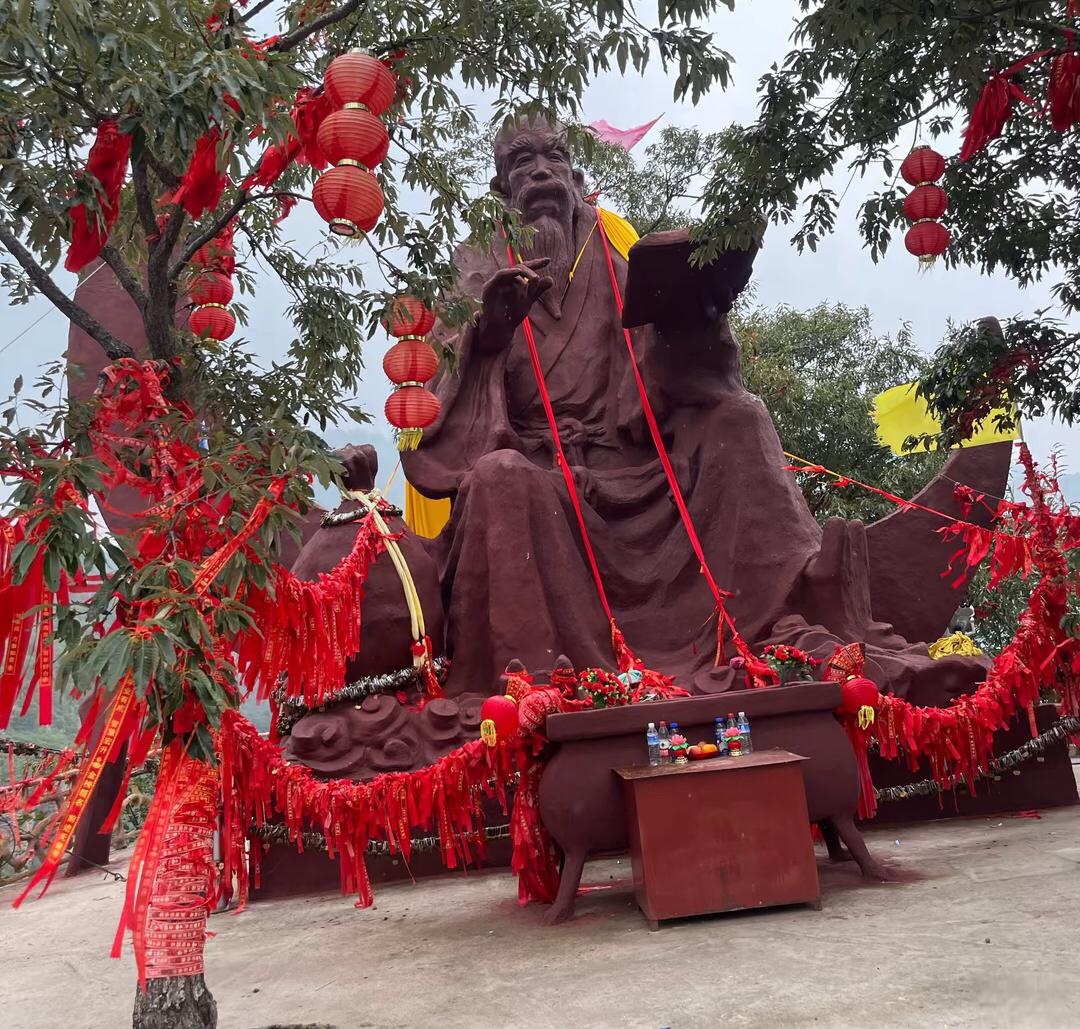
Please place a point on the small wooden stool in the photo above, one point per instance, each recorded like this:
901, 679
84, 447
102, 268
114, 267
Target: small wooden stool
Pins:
722, 834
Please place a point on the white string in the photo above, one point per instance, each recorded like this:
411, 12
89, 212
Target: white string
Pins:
45, 314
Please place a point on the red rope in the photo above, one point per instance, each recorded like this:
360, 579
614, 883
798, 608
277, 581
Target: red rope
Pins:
560, 455
719, 594
904, 505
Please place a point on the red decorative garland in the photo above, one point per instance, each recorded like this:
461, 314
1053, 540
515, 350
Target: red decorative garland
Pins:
957, 740
308, 630
448, 796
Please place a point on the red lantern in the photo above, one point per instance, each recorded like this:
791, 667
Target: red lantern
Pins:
925, 201
410, 360
211, 288
358, 78
922, 165
213, 321
349, 199
859, 693
498, 719
927, 240
411, 409
409, 317
353, 134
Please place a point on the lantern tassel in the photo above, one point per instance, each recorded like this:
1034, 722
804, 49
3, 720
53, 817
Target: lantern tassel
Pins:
409, 439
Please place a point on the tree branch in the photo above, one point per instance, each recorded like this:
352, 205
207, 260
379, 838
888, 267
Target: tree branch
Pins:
291, 40
113, 347
144, 203
200, 239
260, 6
160, 314
166, 174
125, 275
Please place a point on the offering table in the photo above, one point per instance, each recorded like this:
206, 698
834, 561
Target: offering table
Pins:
580, 794
721, 834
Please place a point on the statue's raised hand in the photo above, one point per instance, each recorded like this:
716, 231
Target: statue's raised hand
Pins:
507, 298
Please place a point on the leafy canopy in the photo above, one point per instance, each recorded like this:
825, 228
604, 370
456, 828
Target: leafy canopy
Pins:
862, 83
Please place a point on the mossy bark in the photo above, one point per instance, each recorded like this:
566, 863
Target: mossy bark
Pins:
176, 1002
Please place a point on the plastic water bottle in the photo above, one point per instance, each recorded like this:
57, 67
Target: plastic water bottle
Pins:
744, 732
652, 738
734, 748
665, 744
721, 743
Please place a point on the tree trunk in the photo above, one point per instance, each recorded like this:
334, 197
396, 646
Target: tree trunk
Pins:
178, 1002
181, 891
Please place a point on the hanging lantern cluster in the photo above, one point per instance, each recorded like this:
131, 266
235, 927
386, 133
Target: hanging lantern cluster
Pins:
354, 140
409, 364
927, 239
211, 291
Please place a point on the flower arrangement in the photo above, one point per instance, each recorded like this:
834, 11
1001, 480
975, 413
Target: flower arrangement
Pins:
790, 663
605, 688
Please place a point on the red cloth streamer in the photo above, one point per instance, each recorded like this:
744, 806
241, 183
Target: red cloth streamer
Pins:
107, 162
308, 630
202, 183
1064, 92
171, 876
719, 595
534, 855
994, 106
26, 613
309, 111
105, 750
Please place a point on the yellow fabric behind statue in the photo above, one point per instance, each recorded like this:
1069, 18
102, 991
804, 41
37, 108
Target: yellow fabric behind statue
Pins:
427, 517
899, 413
620, 233
959, 644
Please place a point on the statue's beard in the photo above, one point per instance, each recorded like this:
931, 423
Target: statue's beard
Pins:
553, 238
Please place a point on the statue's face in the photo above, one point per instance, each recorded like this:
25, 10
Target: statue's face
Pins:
536, 168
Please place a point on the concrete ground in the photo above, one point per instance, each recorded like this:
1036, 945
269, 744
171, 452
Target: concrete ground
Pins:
980, 931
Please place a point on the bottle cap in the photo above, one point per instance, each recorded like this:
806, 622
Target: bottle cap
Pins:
651, 726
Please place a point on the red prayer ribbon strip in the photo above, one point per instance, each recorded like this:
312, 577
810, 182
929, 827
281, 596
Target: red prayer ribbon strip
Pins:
719, 595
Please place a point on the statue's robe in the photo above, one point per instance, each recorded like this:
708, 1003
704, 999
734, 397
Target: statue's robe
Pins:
515, 578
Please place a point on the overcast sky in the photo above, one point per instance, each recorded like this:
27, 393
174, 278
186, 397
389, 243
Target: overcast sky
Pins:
841, 271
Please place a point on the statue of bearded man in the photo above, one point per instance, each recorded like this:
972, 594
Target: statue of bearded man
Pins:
515, 576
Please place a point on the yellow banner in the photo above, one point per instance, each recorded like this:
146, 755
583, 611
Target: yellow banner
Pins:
899, 413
